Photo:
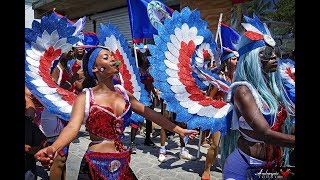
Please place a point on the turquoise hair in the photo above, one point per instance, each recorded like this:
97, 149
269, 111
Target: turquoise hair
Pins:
249, 69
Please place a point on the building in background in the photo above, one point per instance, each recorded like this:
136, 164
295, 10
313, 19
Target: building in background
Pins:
96, 12
29, 13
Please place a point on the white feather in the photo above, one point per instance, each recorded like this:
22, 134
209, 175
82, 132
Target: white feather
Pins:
59, 103
66, 109
178, 89
53, 38
65, 48
171, 65
188, 104
137, 95
249, 27
47, 90
136, 87
134, 79
172, 73
171, 58
175, 41
194, 109
178, 33
182, 97
33, 69
223, 111
32, 62
198, 40
207, 111
55, 97
45, 36
32, 55
59, 43
41, 44
199, 60
33, 75
36, 49
199, 53
172, 49
185, 33
39, 83
193, 32
174, 81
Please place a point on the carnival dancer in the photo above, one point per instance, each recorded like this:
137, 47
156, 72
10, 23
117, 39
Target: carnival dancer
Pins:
225, 71
261, 106
147, 80
106, 120
106, 157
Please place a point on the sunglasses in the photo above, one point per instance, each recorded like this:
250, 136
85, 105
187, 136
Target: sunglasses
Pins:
269, 53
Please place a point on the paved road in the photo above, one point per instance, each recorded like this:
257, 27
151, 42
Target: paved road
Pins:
145, 163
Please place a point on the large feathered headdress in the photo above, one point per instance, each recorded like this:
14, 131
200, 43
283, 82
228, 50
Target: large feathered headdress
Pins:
258, 33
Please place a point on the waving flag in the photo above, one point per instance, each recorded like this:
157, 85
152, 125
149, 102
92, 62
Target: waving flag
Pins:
141, 27
229, 37
59, 16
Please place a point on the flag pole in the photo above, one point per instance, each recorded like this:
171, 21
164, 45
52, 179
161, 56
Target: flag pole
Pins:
218, 29
218, 33
199, 143
135, 54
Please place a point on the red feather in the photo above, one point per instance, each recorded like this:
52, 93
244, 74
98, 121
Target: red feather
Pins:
193, 90
206, 102
253, 35
187, 83
185, 76
197, 97
218, 104
206, 54
63, 92
289, 72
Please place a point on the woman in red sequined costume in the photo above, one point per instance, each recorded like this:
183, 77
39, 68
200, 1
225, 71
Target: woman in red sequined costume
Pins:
105, 109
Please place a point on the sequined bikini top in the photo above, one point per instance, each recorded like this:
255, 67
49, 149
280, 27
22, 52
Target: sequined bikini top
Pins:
103, 122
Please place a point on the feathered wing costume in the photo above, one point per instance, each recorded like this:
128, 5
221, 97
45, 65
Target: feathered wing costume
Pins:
47, 40
286, 69
44, 43
181, 44
112, 39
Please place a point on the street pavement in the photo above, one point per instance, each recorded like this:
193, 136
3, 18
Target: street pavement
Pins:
145, 162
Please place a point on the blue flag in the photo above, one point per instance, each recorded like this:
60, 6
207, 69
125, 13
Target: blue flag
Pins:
229, 37
141, 27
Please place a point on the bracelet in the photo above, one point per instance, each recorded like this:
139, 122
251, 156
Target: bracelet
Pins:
69, 83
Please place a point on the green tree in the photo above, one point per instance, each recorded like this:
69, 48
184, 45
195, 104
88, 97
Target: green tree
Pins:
261, 8
285, 12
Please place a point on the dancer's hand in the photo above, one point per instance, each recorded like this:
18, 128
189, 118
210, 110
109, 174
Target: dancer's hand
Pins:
46, 155
190, 133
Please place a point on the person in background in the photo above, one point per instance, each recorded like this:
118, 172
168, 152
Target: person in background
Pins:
225, 71
33, 137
